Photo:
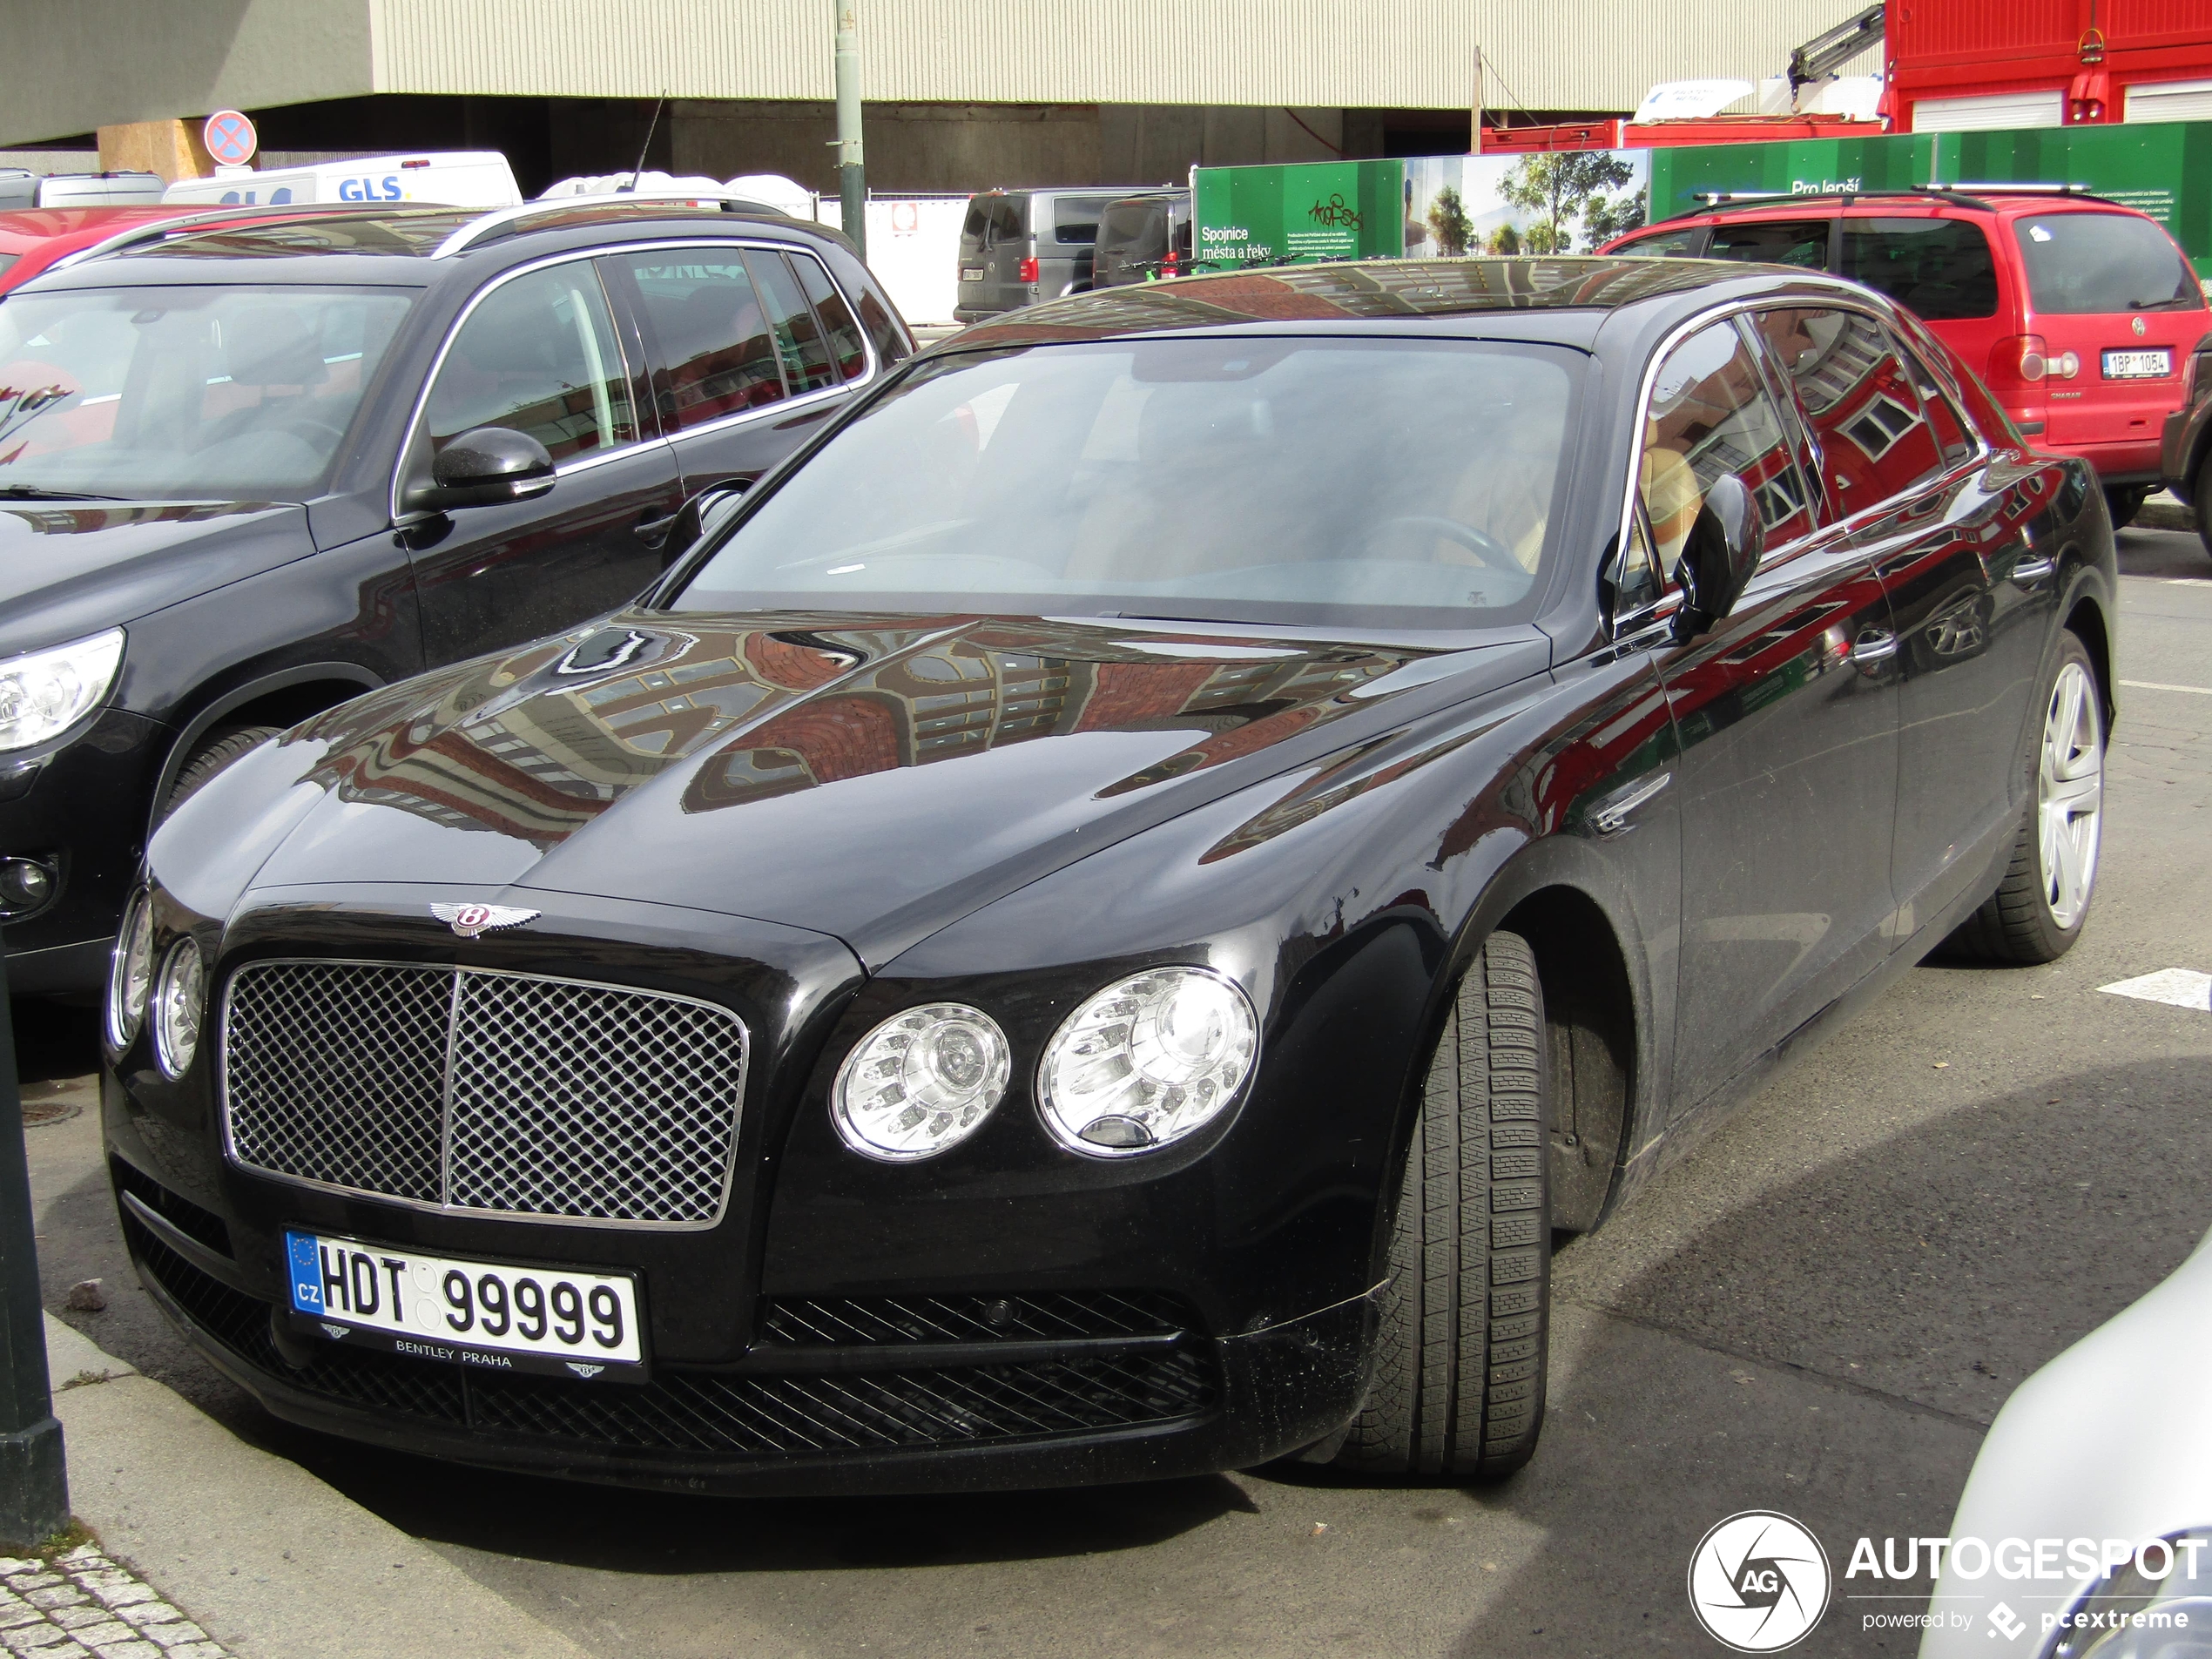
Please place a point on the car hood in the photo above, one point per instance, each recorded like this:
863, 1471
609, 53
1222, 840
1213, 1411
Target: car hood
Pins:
873, 778
72, 568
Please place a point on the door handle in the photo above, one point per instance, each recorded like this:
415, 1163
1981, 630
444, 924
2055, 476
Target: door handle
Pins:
2034, 569
1873, 646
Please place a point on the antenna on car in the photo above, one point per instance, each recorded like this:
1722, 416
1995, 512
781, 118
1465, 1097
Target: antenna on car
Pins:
643, 150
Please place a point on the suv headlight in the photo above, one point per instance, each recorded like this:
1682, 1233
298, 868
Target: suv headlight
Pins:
1146, 1062
131, 972
2129, 1615
43, 693
921, 1081
178, 1000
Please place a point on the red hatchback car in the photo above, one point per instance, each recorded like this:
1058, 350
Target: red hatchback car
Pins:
2080, 314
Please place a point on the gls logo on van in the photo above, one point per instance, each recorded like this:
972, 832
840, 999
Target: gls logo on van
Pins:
386, 189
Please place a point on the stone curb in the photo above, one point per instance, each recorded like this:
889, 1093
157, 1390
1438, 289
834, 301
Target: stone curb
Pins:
2162, 512
271, 1561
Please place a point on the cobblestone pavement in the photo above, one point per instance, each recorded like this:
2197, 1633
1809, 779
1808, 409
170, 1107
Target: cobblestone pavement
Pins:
85, 1604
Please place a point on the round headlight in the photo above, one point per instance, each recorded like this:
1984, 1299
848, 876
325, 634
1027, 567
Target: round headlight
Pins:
921, 1082
176, 1002
1146, 1062
130, 972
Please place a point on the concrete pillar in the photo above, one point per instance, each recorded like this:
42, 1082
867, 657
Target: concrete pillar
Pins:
171, 150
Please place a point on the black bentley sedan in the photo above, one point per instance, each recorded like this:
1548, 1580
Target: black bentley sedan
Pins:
1103, 923
246, 473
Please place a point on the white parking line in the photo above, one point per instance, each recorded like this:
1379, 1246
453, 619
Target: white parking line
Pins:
2155, 686
2184, 987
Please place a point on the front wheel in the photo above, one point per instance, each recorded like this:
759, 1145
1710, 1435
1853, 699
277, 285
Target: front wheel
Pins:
1458, 1382
2039, 908
2201, 505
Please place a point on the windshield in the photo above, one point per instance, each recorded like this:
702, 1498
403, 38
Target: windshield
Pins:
1270, 480
2083, 263
233, 393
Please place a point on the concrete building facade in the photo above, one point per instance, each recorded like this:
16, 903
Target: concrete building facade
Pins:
961, 93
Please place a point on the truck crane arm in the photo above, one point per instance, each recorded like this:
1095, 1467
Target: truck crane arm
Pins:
1819, 57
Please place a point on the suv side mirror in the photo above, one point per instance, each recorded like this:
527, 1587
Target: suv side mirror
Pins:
484, 468
1724, 546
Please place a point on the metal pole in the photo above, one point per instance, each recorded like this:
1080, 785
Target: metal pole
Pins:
1476, 147
34, 1485
852, 176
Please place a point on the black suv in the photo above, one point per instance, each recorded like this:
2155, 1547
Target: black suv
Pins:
248, 474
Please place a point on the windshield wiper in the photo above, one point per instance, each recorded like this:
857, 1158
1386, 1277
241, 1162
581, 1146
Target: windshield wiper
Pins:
34, 492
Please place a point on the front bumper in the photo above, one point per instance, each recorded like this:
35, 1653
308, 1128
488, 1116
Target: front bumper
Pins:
1151, 1400
82, 805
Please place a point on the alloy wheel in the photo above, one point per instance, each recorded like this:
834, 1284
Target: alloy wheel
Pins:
2070, 791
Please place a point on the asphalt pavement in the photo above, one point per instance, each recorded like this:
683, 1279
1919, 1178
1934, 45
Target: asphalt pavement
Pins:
1817, 1312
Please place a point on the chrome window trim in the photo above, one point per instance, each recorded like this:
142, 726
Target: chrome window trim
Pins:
1840, 300
868, 376
445, 1130
445, 346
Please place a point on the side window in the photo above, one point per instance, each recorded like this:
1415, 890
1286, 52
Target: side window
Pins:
843, 334
1639, 582
1782, 241
1667, 244
712, 331
538, 354
1005, 218
1940, 268
1943, 414
891, 345
1874, 438
1711, 415
799, 342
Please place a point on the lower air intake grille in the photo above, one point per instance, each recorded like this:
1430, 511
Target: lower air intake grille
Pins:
471, 1090
719, 1414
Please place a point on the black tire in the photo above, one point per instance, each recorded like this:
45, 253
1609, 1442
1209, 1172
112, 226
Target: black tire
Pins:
2200, 504
1459, 1379
2125, 501
2015, 924
216, 751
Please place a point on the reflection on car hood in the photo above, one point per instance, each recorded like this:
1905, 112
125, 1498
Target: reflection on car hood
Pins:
69, 568
868, 777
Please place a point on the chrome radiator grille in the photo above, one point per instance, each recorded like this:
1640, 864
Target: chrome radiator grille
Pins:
478, 1091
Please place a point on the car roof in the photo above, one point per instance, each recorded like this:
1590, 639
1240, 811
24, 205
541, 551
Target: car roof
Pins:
1932, 203
411, 247
1564, 298
25, 228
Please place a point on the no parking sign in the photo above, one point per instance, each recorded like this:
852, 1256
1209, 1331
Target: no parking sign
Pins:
230, 138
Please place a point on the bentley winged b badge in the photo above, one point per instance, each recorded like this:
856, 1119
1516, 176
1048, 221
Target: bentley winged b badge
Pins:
469, 920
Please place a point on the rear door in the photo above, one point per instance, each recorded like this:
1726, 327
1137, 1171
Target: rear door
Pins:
539, 351
1789, 746
1941, 268
1007, 245
751, 348
2112, 290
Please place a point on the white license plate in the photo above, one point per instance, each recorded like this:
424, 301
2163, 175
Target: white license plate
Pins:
971, 273
2138, 365
490, 1314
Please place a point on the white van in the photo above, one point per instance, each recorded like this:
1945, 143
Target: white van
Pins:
450, 178
22, 188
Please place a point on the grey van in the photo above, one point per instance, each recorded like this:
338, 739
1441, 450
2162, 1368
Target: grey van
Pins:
1018, 246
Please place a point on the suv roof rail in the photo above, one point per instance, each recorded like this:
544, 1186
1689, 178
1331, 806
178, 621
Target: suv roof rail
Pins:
161, 229
1721, 201
503, 220
2079, 191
